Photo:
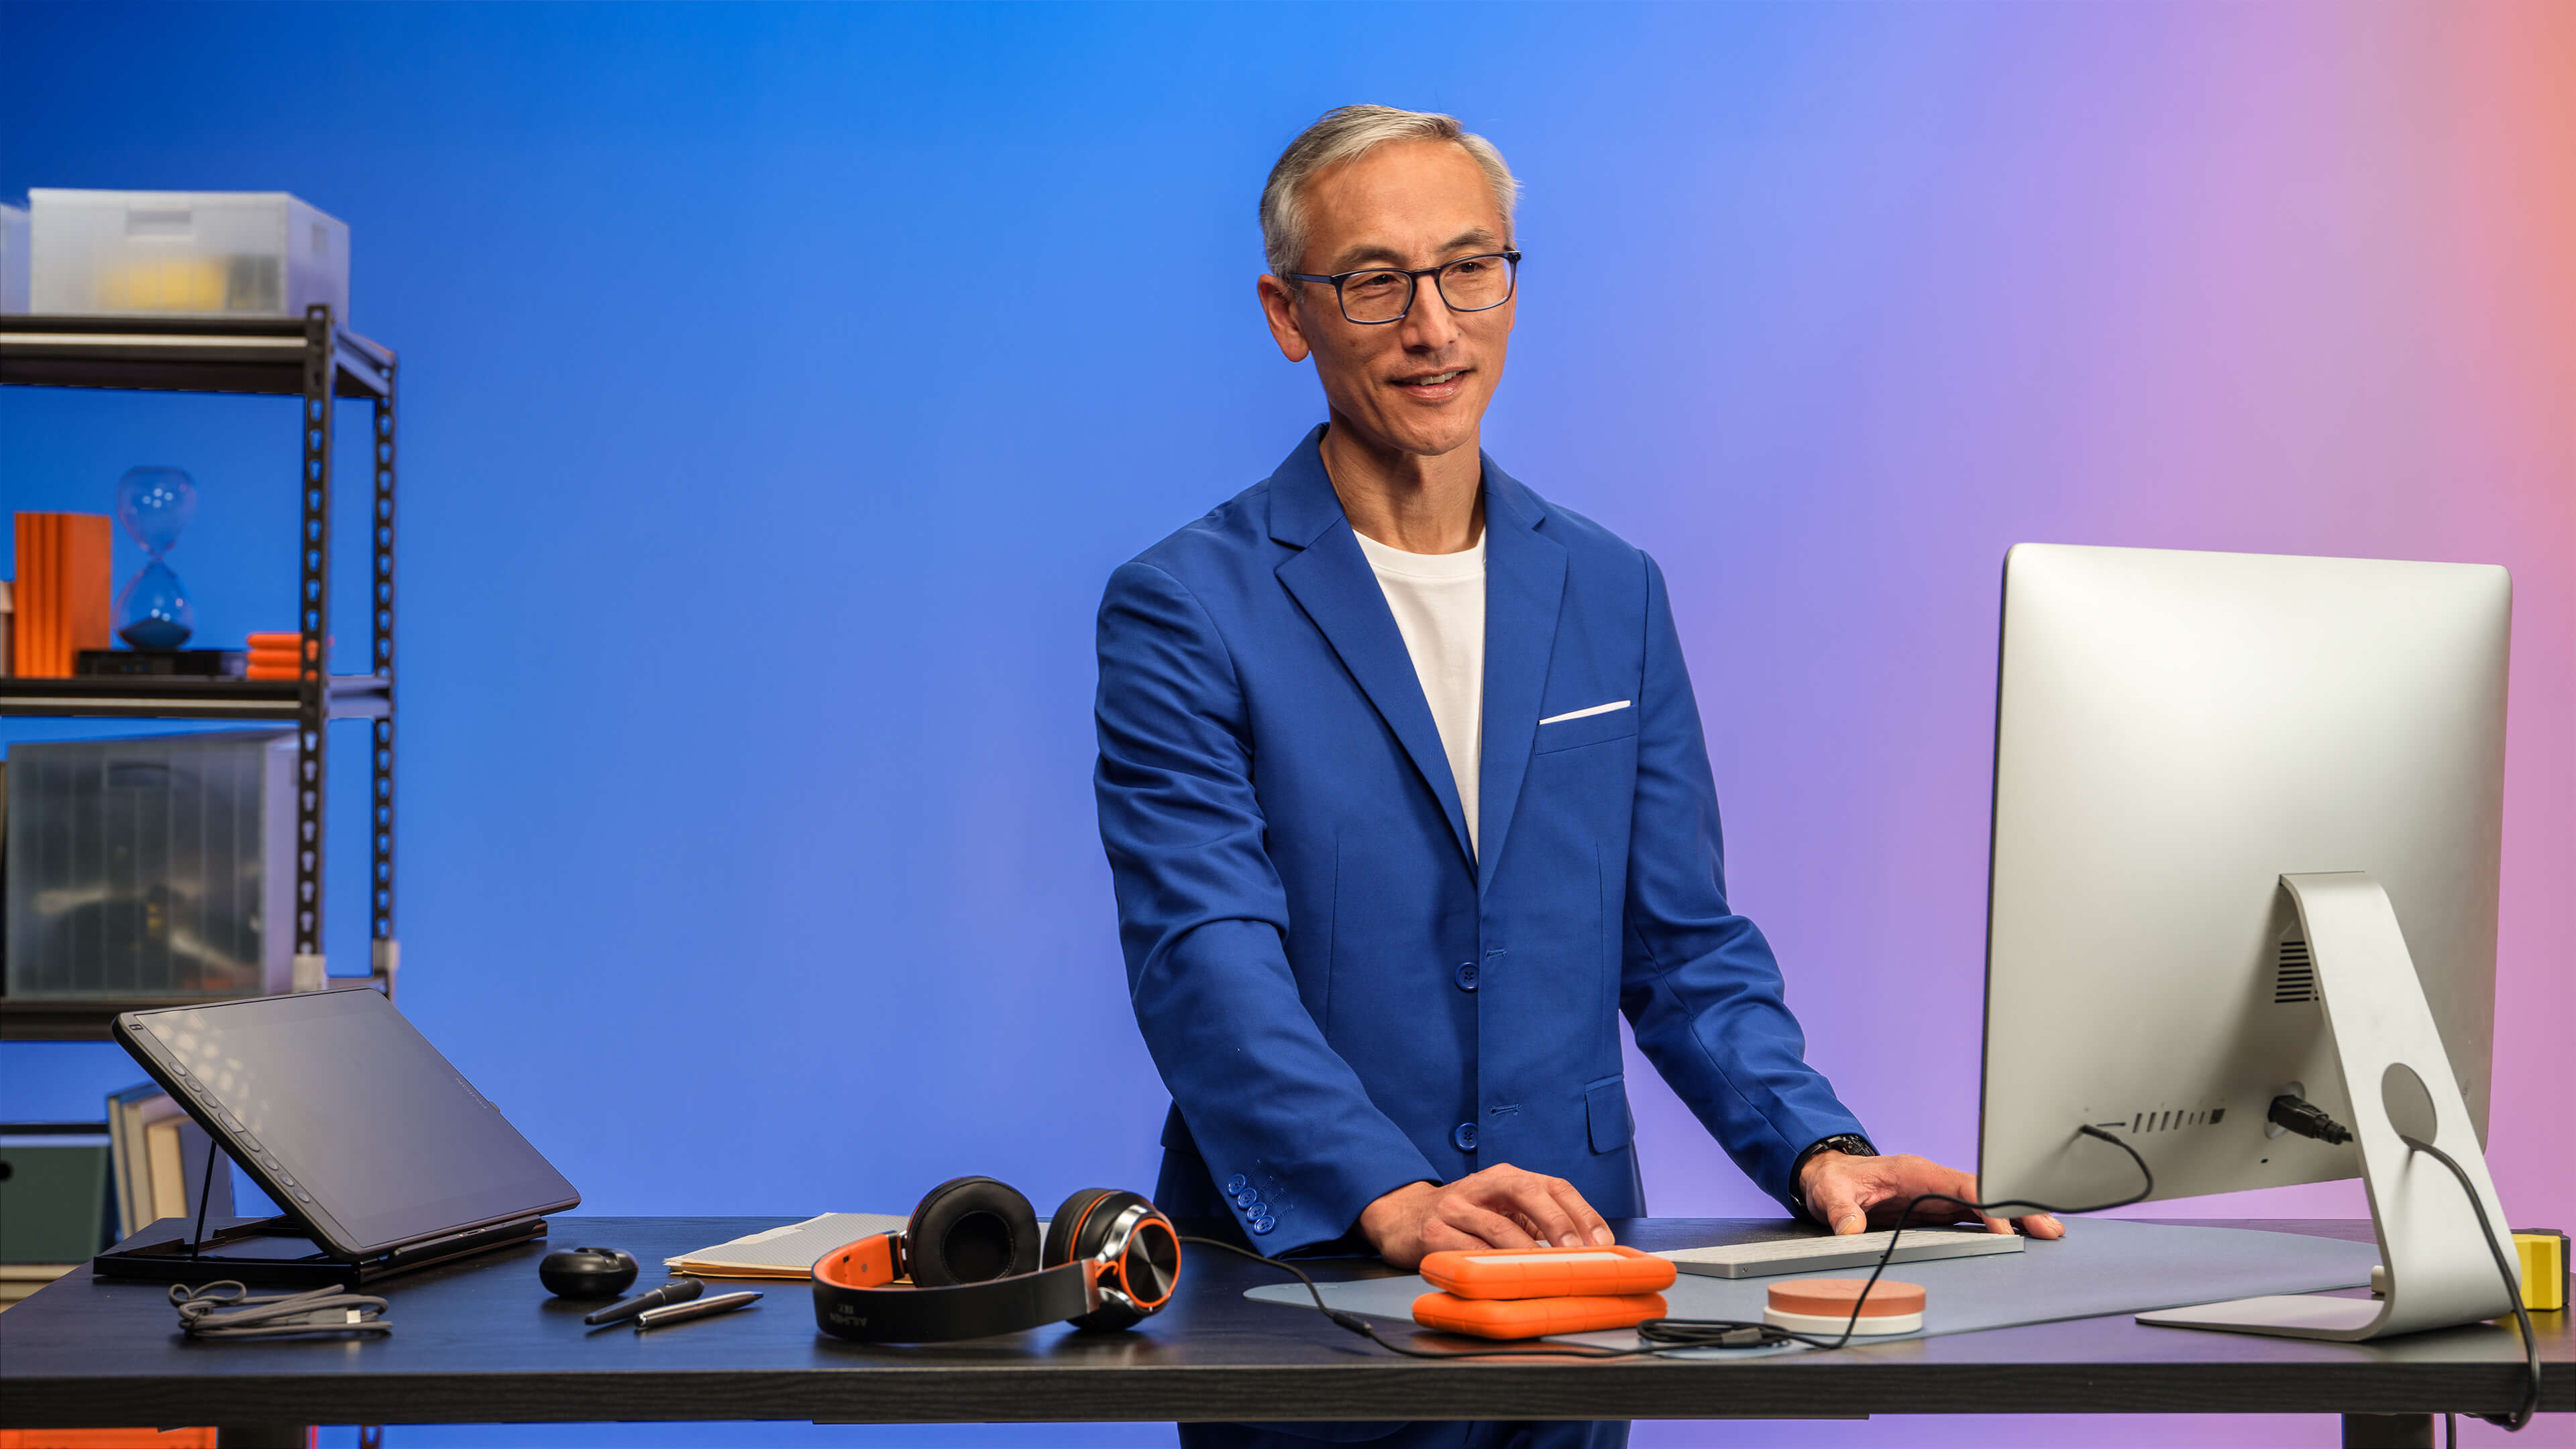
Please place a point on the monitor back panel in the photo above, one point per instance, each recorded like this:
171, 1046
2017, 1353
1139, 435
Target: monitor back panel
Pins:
2174, 732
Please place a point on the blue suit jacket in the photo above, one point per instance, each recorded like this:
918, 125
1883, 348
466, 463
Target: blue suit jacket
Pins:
1341, 997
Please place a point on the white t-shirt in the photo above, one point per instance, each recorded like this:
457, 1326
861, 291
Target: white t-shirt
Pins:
1439, 605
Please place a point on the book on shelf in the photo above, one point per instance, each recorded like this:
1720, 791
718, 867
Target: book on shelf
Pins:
158, 1155
54, 1202
64, 593
20, 1280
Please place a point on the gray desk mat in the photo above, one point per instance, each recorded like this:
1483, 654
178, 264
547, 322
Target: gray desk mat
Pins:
2102, 1266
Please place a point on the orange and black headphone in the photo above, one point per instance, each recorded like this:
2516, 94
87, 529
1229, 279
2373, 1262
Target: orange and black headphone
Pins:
1109, 1260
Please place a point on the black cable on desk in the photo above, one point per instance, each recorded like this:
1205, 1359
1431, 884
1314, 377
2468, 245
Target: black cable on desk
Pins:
2511, 1423
1361, 1326
1674, 1335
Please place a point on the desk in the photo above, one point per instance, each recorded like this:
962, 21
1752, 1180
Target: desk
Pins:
481, 1342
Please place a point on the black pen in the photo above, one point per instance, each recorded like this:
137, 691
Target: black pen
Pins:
678, 1290
683, 1312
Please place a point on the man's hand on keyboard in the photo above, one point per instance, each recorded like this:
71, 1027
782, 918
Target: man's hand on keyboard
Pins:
1853, 1194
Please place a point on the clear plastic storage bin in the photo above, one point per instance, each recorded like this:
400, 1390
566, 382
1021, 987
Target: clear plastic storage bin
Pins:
13, 259
152, 867
147, 253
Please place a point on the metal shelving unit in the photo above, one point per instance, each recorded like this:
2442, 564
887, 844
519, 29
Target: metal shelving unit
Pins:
319, 362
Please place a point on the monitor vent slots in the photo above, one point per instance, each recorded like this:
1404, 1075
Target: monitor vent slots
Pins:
2294, 979
2167, 1119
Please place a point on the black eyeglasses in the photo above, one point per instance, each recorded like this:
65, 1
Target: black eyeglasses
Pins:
1385, 294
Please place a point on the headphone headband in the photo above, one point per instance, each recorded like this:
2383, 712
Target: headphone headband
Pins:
853, 1300
1113, 1259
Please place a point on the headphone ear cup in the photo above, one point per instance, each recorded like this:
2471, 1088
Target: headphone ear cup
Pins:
1146, 1271
1072, 1220
970, 1230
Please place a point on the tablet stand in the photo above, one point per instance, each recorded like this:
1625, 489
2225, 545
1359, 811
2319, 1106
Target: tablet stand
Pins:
205, 1191
2440, 1271
281, 1252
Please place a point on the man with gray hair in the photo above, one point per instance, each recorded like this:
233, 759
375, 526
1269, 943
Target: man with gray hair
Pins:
1403, 787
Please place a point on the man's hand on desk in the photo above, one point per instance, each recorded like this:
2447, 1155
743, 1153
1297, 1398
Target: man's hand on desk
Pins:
1852, 1194
1500, 1207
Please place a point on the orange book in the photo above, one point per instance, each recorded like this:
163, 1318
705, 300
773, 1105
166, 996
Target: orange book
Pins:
49, 646
65, 594
89, 585
34, 644
23, 628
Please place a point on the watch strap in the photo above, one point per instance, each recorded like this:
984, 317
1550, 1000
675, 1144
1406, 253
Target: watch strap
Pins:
1850, 1144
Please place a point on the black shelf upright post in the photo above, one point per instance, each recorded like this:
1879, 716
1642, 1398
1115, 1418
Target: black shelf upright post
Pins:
385, 950
313, 661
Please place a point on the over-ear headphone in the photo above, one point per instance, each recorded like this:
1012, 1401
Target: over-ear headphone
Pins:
972, 1251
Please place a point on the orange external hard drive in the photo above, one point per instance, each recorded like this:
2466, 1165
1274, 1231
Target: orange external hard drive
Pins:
1534, 1317
1547, 1272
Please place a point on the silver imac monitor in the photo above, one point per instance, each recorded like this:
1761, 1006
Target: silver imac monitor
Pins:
2247, 820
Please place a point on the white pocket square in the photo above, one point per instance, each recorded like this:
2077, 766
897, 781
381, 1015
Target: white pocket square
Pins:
1580, 713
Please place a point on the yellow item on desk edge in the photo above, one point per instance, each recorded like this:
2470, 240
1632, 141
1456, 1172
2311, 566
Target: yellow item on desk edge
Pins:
2544, 1268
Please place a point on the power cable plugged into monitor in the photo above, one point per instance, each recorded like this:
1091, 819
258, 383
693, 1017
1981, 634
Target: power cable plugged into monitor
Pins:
1674, 1335
2307, 1119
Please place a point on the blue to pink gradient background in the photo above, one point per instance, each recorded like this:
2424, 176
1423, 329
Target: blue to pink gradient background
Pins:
781, 384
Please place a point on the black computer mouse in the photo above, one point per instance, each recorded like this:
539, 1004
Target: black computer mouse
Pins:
587, 1272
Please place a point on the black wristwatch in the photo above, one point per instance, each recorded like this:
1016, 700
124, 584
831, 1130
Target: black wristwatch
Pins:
1851, 1144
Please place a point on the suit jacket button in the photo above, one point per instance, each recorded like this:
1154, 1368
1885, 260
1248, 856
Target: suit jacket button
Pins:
1465, 1136
1263, 1225
1467, 976
1236, 1183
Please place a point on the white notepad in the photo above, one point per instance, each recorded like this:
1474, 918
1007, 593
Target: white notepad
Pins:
788, 1252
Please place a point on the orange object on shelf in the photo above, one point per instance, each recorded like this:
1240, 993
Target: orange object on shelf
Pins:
65, 595
275, 656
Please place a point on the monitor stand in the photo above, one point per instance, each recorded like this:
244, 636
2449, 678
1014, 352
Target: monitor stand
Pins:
2440, 1271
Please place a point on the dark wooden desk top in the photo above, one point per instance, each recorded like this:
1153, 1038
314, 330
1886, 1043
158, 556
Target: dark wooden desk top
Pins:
481, 1342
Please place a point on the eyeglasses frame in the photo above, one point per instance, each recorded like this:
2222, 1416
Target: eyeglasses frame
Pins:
1413, 279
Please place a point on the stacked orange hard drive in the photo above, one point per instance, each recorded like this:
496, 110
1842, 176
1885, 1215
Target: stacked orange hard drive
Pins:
274, 656
1529, 1292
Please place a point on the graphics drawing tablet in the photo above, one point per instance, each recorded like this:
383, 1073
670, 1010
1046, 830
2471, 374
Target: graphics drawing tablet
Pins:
345, 1115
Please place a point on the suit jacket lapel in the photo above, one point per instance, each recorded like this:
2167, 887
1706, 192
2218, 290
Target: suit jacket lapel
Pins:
1331, 580
1524, 588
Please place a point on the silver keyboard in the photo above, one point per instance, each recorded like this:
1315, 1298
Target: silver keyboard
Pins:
1859, 1250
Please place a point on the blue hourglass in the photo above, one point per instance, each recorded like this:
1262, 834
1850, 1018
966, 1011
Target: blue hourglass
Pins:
154, 504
